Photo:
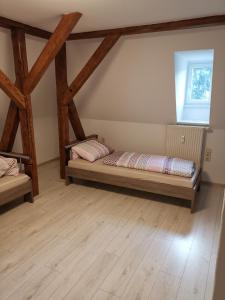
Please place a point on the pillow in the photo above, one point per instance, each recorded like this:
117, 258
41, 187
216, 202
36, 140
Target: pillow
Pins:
8, 166
3, 166
91, 150
74, 154
13, 167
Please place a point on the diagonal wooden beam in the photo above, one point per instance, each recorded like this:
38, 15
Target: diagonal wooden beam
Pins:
49, 52
75, 121
10, 128
11, 90
91, 65
11, 24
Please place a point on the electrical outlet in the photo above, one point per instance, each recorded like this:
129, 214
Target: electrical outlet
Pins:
182, 139
208, 154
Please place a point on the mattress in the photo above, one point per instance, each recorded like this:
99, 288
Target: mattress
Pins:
99, 167
9, 182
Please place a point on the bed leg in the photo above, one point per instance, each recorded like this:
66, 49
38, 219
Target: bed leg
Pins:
29, 197
193, 204
68, 180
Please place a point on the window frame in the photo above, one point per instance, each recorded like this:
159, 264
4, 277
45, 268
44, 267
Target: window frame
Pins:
194, 102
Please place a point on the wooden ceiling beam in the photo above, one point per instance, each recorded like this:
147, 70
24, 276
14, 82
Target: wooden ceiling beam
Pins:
11, 90
51, 49
91, 65
11, 24
158, 27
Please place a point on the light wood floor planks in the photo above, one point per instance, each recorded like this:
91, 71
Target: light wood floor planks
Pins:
80, 242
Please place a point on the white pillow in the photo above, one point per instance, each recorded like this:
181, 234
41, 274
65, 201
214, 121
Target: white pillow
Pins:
3, 167
13, 167
91, 150
8, 166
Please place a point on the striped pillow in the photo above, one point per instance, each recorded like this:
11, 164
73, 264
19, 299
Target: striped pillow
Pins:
8, 166
13, 167
74, 154
91, 150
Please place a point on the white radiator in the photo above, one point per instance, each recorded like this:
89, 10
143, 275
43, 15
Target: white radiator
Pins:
185, 142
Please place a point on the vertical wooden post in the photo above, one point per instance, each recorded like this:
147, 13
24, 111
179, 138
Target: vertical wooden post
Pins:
63, 117
26, 118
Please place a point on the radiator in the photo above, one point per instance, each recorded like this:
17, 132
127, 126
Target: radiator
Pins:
185, 142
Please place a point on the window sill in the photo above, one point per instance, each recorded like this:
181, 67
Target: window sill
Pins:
193, 105
205, 125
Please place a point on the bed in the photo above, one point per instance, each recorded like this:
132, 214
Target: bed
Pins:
13, 187
164, 184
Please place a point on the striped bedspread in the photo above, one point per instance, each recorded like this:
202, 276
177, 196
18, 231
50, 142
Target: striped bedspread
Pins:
152, 163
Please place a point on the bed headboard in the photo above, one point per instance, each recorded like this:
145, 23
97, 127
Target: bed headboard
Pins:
185, 142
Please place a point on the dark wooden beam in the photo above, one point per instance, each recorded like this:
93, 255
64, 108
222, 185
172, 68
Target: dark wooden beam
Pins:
10, 128
49, 52
158, 27
63, 118
11, 90
11, 24
26, 117
75, 122
164, 26
90, 66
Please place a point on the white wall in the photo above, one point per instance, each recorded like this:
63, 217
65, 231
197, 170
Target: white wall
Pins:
131, 96
43, 98
180, 83
136, 81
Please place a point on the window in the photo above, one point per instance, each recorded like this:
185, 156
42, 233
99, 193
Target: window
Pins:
199, 83
193, 76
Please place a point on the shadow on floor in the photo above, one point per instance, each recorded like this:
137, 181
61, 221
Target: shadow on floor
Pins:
134, 193
11, 205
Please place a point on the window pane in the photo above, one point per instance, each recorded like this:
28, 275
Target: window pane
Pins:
193, 78
201, 83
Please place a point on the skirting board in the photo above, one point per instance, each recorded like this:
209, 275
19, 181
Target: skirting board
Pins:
212, 183
48, 161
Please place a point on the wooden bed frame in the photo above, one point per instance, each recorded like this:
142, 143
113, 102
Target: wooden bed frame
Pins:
137, 184
24, 189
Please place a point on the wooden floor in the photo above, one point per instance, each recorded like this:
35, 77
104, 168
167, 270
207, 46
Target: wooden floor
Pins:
81, 242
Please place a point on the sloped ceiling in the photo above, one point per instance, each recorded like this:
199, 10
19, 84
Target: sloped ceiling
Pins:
103, 14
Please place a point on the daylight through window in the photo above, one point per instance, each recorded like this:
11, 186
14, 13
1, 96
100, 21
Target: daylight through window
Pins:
193, 76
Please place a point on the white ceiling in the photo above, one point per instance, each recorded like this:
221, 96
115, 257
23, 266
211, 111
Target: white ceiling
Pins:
103, 14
